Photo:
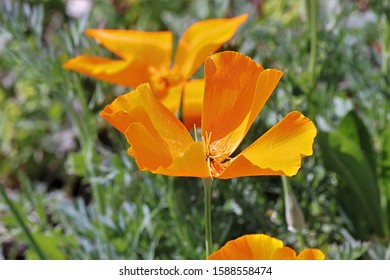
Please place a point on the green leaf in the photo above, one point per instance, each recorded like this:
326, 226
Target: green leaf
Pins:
348, 152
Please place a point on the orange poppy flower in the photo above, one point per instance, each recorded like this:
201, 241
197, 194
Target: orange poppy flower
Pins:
262, 247
146, 57
236, 88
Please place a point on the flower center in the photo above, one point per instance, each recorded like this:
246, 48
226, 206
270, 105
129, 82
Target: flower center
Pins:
163, 78
217, 157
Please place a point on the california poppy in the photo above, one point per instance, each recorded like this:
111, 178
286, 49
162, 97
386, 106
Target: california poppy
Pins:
236, 89
262, 247
146, 57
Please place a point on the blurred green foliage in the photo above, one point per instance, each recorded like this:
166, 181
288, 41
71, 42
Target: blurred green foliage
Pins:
66, 176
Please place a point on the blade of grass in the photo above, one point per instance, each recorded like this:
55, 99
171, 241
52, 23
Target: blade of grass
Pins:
26, 231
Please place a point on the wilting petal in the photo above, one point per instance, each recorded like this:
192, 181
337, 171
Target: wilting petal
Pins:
112, 71
150, 48
278, 151
202, 39
193, 103
248, 247
141, 106
233, 84
311, 254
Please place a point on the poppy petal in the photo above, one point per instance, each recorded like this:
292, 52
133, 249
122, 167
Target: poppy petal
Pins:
191, 164
311, 254
193, 103
147, 147
248, 247
172, 99
202, 39
151, 48
112, 71
278, 151
236, 89
284, 253
142, 53
141, 106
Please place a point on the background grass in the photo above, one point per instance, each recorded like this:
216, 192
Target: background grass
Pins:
70, 191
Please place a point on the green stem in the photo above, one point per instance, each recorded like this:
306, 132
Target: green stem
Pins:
207, 183
312, 15
386, 45
313, 9
22, 224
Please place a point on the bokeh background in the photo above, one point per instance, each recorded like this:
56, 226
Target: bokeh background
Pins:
70, 191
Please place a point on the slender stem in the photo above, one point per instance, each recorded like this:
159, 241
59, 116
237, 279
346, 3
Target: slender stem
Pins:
22, 224
312, 15
386, 45
313, 9
207, 183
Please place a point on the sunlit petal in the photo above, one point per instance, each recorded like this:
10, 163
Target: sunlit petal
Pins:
284, 253
311, 254
141, 106
262, 247
278, 151
236, 89
248, 247
202, 39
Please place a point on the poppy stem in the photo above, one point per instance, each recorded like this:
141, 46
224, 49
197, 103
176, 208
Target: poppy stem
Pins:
207, 183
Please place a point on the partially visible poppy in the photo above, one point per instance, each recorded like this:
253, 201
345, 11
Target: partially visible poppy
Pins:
146, 57
236, 89
262, 247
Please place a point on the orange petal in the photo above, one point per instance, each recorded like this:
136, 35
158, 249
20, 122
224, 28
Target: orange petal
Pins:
311, 254
202, 39
122, 112
159, 141
152, 153
108, 70
147, 147
278, 151
284, 253
151, 48
191, 164
236, 89
248, 247
172, 99
193, 103
143, 53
